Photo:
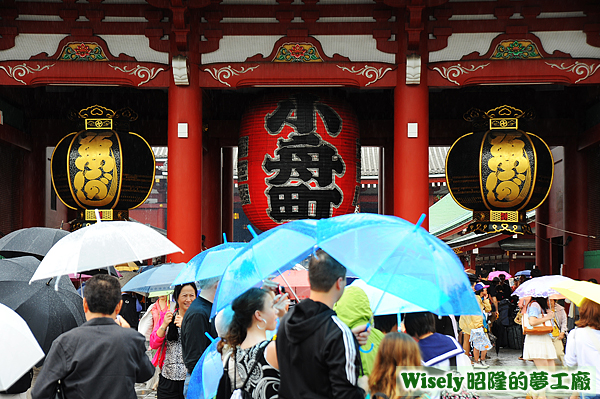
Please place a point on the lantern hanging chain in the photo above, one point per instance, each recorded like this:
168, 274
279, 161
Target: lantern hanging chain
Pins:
566, 231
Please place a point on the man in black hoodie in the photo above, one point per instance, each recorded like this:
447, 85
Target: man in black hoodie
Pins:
318, 354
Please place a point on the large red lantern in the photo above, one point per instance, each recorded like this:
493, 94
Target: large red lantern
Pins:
298, 158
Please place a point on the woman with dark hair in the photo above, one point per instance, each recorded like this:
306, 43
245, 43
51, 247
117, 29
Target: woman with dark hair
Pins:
538, 348
248, 357
169, 356
396, 350
583, 343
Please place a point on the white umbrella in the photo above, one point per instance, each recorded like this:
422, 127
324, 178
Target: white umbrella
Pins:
103, 244
19, 345
390, 304
540, 287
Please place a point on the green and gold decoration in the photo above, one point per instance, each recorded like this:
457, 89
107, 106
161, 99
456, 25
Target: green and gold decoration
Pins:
103, 166
499, 173
82, 51
516, 50
297, 52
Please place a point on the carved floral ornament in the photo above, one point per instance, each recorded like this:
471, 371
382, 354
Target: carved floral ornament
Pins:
297, 52
82, 51
578, 68
516, 50
139, 71
367, 71
455, 71
222, 74
19, 71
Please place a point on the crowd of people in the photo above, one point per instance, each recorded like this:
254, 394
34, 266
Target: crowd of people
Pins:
325, 346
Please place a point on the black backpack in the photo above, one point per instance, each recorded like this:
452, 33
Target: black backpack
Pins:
224, 390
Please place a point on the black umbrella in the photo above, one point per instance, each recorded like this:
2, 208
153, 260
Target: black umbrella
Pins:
35, 241
47, 311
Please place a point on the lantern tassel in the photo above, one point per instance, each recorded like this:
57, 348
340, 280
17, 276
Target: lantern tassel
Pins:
224, 238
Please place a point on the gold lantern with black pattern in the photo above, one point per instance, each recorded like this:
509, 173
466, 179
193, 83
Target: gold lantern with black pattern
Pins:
499, 171
104, 166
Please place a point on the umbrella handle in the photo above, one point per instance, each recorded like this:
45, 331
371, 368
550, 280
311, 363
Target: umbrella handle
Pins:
56, 283
371, 348
208, 335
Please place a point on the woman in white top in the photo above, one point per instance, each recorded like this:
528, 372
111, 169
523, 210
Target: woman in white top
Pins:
583, 343
539, 348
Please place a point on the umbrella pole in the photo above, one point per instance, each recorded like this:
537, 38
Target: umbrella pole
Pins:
417, 225
251, 230
289, 286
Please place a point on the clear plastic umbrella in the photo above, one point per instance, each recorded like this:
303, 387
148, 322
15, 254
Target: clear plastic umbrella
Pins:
19, 346
156, 279
400, 258
384, 303
207, 373
103, 244
209, 263
278, 249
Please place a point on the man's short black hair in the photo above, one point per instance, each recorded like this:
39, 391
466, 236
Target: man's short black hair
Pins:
324, 271
419, 323
386, 322
102, 293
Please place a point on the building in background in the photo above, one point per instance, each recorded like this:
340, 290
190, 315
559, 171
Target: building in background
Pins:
410, 70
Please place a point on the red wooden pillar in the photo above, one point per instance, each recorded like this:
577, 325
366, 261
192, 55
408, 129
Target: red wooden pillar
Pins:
184, 190
542, 242
575, 212
411, 147
34, 190
227, 196
380, 184
211, 194
388, 179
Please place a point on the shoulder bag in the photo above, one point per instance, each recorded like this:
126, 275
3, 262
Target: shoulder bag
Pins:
528, 329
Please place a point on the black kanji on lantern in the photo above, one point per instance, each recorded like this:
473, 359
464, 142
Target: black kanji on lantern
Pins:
302, 202
304, 108
305, 165
297, 159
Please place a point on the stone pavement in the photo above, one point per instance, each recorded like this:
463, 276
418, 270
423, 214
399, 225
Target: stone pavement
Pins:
506, 358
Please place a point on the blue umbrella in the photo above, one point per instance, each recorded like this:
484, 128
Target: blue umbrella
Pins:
155, 279
526, 273
209, 263
278, 249
398, 257
204, 380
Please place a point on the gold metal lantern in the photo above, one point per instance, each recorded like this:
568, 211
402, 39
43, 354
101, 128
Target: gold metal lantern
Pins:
499, 173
